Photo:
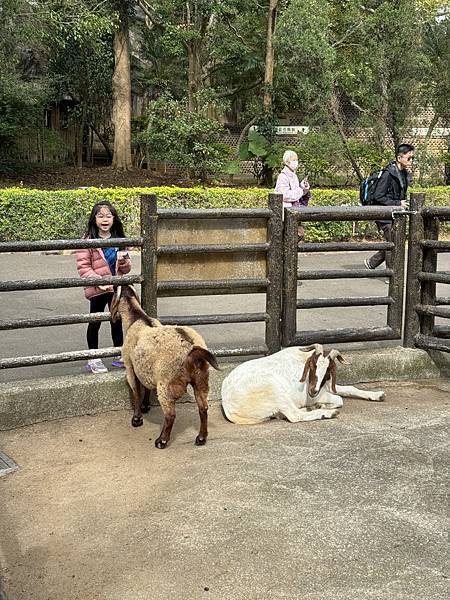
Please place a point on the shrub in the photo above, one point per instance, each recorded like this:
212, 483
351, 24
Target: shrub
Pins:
188, 139
27, 214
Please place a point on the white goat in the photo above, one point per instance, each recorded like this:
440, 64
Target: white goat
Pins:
296, 383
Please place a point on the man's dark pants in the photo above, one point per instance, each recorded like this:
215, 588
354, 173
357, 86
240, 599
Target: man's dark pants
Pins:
382, 255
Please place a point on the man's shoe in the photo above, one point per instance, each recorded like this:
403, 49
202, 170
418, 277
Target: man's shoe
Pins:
367, 264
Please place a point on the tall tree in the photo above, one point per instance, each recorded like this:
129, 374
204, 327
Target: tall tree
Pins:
268, 74
121, 89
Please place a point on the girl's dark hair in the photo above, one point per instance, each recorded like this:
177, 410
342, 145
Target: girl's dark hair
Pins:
116, 228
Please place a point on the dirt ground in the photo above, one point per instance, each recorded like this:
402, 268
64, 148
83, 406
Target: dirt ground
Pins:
345, 509
66, 177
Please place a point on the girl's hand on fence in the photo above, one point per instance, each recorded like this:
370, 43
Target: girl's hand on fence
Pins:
106, 288
122, 256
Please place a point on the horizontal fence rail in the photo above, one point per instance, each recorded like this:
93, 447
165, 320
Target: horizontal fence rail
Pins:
211, 287
344, 246
67, 282
214, 213
46, 359
355, 274
343, 302
78, 244
346, 213
212, 248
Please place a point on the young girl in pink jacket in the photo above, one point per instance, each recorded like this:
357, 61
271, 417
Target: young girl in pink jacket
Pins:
104, 222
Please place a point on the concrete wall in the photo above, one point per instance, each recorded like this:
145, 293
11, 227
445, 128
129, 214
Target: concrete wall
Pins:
201, 266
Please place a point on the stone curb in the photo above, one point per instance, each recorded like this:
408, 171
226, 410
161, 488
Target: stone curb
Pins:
25, 403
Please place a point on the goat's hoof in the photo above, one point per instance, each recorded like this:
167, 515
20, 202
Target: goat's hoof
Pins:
137, 421
330, 414
161, 444
380, 397
145, 408
200, 441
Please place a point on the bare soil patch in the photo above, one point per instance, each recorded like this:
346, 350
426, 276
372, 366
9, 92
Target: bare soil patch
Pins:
66, 177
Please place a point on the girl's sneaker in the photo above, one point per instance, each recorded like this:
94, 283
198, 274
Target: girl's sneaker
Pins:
118, 363
95, 365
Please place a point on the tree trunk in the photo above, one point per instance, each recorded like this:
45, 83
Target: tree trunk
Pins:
194, 74
268, 75
121, 84
384, 110
102, 140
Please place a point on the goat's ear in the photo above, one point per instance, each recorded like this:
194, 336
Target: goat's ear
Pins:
336, 354
342, 360
305, 371
333, 377
318, 348
135, 294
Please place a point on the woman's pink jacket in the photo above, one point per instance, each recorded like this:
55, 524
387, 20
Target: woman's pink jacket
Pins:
91, 262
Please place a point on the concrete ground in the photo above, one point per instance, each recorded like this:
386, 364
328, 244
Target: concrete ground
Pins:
348, 509
41, 303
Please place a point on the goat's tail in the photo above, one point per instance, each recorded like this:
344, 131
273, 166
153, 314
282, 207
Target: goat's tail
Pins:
199, 355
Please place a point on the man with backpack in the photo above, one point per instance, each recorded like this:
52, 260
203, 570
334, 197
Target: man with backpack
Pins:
388, 188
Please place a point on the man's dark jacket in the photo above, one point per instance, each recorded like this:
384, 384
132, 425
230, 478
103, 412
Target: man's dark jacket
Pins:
391, 187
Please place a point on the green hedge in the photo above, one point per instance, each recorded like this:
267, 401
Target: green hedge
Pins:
27, 214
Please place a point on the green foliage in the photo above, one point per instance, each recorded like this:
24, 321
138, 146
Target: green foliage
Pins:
20, 109
261, 150
304, 75
189, 139
322, 158
35, 214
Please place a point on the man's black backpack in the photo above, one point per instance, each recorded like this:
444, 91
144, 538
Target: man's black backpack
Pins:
368, 187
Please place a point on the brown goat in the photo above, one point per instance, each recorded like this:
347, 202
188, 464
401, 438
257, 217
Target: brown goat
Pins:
165, 357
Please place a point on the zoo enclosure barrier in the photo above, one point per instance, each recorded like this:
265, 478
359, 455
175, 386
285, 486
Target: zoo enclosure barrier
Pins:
394, 300
422, 303
264, 254
274, 248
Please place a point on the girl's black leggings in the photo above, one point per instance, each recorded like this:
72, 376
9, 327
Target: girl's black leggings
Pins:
98, 304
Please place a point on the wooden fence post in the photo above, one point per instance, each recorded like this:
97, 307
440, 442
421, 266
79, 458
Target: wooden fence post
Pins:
397, 281
414, 266
429, 263
149, 233
290, 278
274, 273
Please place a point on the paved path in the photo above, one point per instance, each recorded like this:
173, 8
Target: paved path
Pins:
38, 304
348, 509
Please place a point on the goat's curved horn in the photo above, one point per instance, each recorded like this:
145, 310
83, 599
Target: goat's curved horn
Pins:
336, 354
118, 292
317, 347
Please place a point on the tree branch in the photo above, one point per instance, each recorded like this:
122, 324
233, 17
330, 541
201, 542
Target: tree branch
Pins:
243, 134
